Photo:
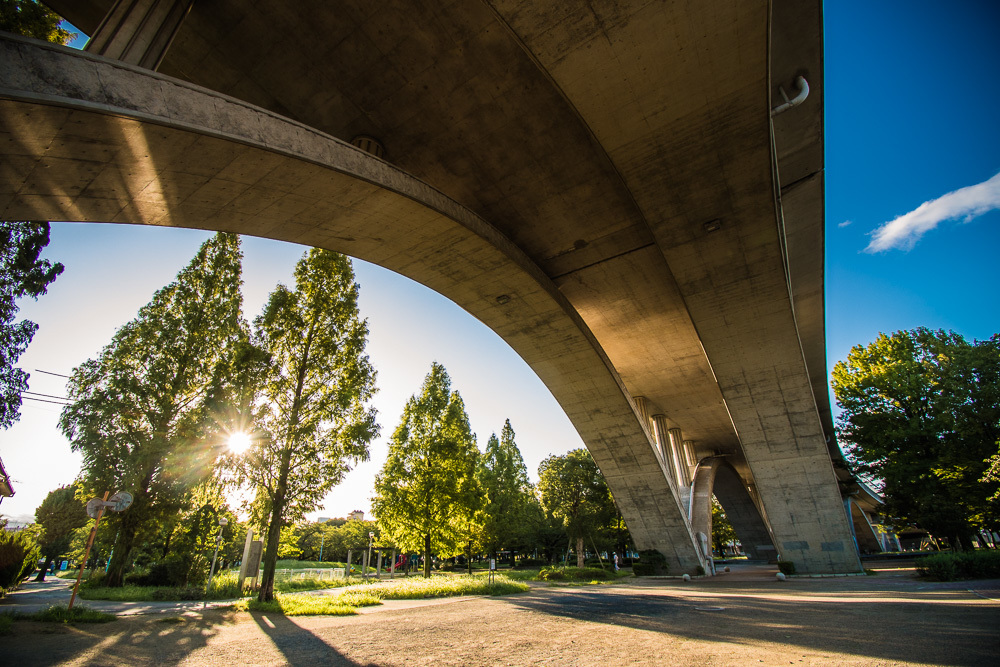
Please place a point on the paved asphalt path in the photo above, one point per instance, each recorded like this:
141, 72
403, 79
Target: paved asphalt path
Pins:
738, 618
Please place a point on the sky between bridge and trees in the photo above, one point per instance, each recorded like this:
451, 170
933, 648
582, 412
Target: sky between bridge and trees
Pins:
912, 228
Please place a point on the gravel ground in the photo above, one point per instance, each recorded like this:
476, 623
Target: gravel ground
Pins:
743, 617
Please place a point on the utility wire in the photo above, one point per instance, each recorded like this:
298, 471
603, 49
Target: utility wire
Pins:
35, 393
56, 374
42, 400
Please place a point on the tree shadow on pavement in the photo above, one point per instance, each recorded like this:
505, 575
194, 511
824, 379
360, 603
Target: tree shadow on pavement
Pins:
299, 646
135, 640
941, 627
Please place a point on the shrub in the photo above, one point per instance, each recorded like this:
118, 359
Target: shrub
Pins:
158, 574
961, 565
530, 562
786, 567
651, 563
18, 555
78, 614
574, 574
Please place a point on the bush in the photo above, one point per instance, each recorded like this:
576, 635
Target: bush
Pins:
574, 574
651, 563
530, 562
158, 574
18, 555
78, 614
786, 567
961, 565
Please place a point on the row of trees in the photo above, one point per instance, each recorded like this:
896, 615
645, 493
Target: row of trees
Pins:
152, 414
437, 493
920, 411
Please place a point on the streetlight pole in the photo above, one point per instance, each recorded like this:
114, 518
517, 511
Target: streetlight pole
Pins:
223, 521
368, 557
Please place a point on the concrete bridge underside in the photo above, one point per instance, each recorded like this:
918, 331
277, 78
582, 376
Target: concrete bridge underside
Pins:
602, 184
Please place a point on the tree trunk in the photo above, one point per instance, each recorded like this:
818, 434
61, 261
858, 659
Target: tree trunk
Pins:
579, 551
45, 568
427, 556
121, 551
271, 552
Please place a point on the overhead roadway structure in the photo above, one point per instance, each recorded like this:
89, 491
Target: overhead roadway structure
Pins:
604, 184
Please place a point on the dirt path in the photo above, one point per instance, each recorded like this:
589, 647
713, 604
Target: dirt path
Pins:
741, 618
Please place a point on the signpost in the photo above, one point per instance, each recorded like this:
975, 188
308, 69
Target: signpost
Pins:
95, 508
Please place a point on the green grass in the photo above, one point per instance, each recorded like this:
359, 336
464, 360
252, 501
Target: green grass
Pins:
437, 587
359, 598
299, 605
57, 614
366, 595
223, 588
579, 574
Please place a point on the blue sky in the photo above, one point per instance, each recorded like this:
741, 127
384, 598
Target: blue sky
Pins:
912, 107
912, 113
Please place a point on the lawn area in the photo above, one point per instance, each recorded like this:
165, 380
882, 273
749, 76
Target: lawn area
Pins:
56, 614
366, 595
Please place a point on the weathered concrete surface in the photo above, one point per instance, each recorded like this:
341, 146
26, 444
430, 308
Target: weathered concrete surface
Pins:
627, 152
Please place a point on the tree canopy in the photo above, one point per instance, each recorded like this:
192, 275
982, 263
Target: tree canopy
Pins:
59, 515
139, 412
30, 18
920, 410
508, 492
311, 414
427, 493
574, 491
22, 274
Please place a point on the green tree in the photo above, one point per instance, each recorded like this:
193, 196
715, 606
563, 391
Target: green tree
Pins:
58, 516
32, 19
427, 491
920, 410
723, 532
507, 490
311, 415
22, 274
18, 555
575, 492
139, 410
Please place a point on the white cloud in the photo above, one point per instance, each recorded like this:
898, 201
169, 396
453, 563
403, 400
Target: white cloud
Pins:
966, 203
845, 223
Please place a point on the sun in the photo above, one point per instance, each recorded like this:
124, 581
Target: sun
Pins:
239, 442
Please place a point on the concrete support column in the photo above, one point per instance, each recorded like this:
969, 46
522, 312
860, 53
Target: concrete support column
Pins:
643, 406
680, 460
139, 32
660, 431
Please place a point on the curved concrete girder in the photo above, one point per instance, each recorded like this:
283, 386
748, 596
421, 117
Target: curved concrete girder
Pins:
864, 531
86, 139
716, 476
722, 241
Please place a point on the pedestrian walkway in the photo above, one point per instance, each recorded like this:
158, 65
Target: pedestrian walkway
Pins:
35, 596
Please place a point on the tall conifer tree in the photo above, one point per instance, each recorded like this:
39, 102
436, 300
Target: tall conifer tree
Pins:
311, 415
138, 410
507, 488
427, 493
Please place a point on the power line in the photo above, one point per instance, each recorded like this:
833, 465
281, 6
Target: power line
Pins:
35, 393
56, 374
42, 400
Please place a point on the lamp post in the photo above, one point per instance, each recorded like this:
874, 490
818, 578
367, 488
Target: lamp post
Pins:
368, 558
223, 522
